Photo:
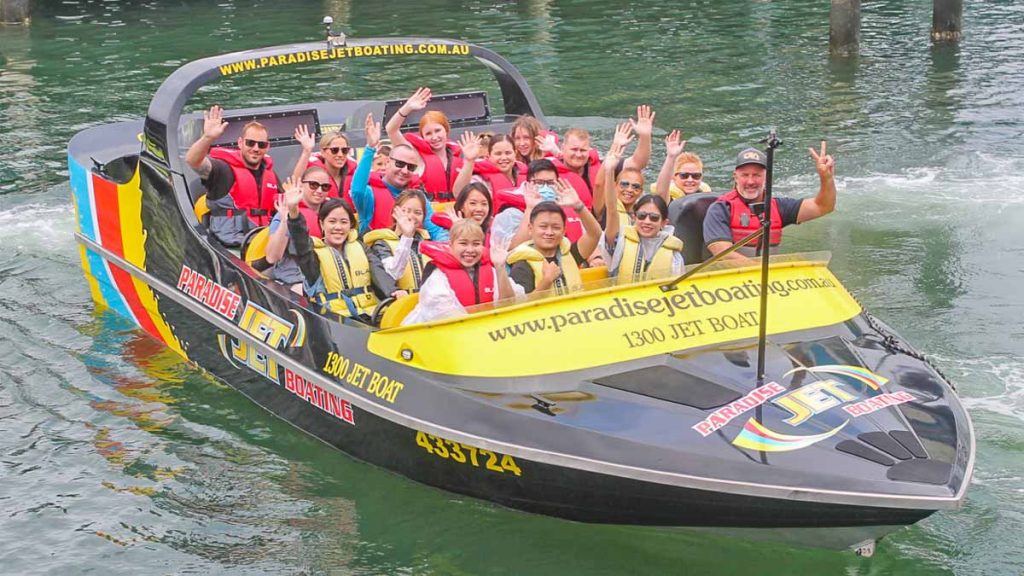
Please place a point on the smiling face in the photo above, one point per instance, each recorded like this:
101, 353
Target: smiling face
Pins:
749, 180
335, 153
649, 220
467, 248
253, 154
435, 135
546, 231
630, 186
576, 151
313, 192
413, 207
405, 157
524, 141
502, 155
476, 207
692, 182
336, 227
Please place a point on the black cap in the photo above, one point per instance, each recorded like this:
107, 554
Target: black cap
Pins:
751, 156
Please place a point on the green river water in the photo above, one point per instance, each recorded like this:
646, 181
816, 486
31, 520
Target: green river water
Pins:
116, 457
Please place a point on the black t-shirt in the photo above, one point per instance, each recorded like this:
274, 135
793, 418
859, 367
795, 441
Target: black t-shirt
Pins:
222, 179
522, 274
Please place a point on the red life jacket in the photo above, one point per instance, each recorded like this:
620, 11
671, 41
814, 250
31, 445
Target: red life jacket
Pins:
508, 199
384, 202
466, 290
258, 202
437, 180
312, 220
583, 189
346, 176
743, 222
496, 179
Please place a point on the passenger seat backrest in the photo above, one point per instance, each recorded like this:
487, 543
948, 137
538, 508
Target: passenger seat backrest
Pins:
686, 214
254, 248
200, 208
398, 310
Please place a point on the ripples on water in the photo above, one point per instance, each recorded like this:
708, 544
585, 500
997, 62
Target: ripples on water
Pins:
117, 457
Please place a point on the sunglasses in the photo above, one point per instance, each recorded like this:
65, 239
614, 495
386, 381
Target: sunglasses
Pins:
689, 175
261, 144
633, 185
407, 165
652, 216
314, 185
336, 149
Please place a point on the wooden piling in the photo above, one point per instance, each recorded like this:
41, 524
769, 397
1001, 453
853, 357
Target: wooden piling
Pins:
947, 20
844, 27
15, 11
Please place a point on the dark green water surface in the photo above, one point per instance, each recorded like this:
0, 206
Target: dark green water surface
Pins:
118, 458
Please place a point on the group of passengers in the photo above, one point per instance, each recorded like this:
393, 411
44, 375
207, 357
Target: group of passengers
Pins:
516, 213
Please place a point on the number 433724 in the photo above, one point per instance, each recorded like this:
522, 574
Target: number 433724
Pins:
466, 454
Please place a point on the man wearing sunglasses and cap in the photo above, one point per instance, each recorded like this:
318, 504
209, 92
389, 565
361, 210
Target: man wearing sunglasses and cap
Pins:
731, 218
241, 184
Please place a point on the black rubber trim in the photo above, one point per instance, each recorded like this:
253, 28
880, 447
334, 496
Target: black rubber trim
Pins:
909, 441
886, 444
921, 471
865, 452
669, 384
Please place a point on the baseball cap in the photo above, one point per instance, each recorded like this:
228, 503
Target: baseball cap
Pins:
751, 156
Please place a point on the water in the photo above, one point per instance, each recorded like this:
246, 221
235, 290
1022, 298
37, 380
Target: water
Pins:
117, 457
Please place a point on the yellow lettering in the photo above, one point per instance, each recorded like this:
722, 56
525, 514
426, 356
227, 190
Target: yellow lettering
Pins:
800, 412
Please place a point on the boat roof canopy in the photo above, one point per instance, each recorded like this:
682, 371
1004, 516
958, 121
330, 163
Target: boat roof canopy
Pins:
166, 108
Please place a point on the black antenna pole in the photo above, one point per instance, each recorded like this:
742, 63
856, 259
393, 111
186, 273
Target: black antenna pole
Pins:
773, 142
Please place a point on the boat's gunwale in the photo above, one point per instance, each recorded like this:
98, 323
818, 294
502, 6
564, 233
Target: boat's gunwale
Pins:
677, 479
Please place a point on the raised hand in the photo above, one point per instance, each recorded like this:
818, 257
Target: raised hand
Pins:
824, 163
499, 251
304, 138
372, 131
470, 144
292, 195
452, 213
566, 195
674, 143
532, 196
213, 123
418, 101
644, 122
547, 143
623, 134
611, 159
406, 223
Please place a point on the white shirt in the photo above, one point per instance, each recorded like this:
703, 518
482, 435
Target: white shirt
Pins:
438, 300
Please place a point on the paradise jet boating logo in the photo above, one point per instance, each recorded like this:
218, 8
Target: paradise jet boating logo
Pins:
266, 327
803, 404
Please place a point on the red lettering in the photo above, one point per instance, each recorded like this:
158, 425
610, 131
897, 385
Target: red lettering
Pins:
703, 428
214, 296
729, 412
346, 412
183, 279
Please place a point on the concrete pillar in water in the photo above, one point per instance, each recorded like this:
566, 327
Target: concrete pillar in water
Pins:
947, 20
844, 27
15, 11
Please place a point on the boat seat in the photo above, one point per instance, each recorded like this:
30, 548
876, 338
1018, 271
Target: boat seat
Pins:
687, 216
254, 248
588, 275
201, 209
398, 310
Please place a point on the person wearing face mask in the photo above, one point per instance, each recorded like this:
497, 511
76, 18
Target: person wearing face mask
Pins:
441, 157
464, 275
730, 218
315, 184
333, 157
374, 194
642, 250
241, 184
336, 269
395, 255
682, 173
542, 184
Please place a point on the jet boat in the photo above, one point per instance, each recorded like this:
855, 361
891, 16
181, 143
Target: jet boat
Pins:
635, 404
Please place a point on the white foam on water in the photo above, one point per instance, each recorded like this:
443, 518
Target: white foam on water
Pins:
38, 225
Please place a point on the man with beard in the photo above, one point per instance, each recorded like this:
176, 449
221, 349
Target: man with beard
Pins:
730, 218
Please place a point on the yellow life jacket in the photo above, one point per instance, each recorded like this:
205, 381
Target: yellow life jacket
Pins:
347, 289
624, 216
569, 281
413, 275
676, 192
634, 267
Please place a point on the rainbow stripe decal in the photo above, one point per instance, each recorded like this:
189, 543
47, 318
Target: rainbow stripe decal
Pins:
755, 436
110, 214
869, 378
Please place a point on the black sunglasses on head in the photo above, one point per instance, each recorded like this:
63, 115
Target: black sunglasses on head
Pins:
261, 144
